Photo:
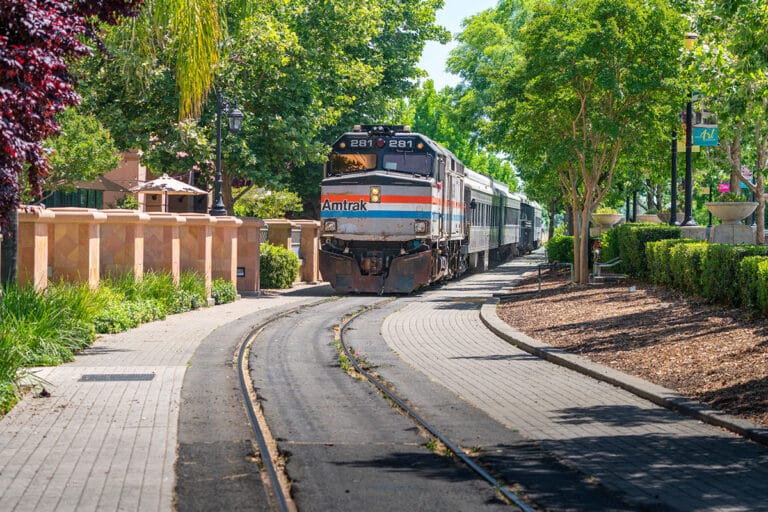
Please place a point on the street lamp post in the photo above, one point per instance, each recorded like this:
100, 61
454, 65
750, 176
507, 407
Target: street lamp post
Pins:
690, 41
673, 191
688, 218
235, 122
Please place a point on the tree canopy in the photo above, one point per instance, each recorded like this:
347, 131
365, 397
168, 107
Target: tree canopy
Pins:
37, 39
569, 85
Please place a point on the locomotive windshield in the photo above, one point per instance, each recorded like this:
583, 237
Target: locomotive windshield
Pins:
342, 163
418, 163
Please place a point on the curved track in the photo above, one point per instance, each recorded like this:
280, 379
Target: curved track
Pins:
343, 447
410, 411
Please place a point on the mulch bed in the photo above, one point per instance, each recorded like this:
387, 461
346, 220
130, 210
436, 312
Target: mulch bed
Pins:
705, 352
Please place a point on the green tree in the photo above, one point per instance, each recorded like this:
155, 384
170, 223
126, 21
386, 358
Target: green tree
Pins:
585, 79
83, 151
730, 66
438, 115
266, 204
298, 69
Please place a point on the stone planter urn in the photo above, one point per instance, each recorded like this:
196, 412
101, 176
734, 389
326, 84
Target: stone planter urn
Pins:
606, 219
650, 218
731, 212
664, 216
731, 231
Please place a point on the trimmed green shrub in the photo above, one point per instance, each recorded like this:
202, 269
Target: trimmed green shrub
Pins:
279, 267
659, 262
560, 248
751, 287
685, 263
721, 270
223, 291
629, 240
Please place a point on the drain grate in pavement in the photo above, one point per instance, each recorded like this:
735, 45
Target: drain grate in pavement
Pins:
109, 377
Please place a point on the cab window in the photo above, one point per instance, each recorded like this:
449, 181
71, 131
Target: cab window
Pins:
342, 163
411, 163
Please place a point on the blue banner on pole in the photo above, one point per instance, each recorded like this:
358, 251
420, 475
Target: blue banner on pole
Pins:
705, 135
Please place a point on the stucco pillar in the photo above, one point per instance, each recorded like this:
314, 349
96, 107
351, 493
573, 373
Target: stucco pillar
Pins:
197, 246
162, 246
122, 243
225, 248
248, 254
310, 233
33, 247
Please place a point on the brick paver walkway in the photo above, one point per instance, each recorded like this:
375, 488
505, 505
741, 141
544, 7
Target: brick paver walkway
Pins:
649, 453
106, 437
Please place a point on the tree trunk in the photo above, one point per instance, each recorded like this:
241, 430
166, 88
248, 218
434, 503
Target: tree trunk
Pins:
551, 227
734, 155
581, 246
9, 250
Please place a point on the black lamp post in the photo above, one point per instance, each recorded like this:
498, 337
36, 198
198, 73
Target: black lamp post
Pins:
690, 41
673, 191
235, 122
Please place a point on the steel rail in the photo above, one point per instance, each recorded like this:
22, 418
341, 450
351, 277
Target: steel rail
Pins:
511, 496
242, 373
266, 455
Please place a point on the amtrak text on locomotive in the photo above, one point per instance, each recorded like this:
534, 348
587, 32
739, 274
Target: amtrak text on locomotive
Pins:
345, 206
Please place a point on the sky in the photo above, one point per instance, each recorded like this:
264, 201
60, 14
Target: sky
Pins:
435, 55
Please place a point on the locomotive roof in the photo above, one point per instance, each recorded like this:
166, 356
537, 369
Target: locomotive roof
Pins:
398, 129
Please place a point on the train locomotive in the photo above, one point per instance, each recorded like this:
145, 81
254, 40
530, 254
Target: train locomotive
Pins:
398, 211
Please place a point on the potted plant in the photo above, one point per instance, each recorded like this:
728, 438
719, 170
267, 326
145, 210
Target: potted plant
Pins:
606, 217
731, 207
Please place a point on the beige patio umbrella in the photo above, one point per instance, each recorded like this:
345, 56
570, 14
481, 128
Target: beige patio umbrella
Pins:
167, 186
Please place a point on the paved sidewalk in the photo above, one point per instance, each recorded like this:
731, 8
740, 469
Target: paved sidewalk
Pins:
106, 438
654, 457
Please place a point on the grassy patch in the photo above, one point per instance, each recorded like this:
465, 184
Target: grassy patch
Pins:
48, 328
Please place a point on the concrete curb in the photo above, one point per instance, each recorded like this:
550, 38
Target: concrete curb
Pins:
657, 394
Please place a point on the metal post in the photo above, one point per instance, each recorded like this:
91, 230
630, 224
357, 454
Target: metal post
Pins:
688, 218
218, 201
626, 209
709, 224
673, 192
634, 206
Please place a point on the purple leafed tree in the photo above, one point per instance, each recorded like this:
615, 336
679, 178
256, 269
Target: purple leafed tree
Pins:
37, 38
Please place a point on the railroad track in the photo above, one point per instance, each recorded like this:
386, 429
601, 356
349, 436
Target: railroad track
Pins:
276, 480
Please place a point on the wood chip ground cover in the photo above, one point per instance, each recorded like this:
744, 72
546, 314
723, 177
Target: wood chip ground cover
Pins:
714, 355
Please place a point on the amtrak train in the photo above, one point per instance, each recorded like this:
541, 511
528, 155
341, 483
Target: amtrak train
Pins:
398, 211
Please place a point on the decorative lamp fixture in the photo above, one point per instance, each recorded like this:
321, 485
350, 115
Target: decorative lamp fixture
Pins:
235, 123
235, 118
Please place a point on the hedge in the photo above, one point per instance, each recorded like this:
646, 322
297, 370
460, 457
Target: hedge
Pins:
722, 268
628, 241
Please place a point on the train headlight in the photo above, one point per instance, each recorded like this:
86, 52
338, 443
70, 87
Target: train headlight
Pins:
421, 226
329, 226
375, 194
